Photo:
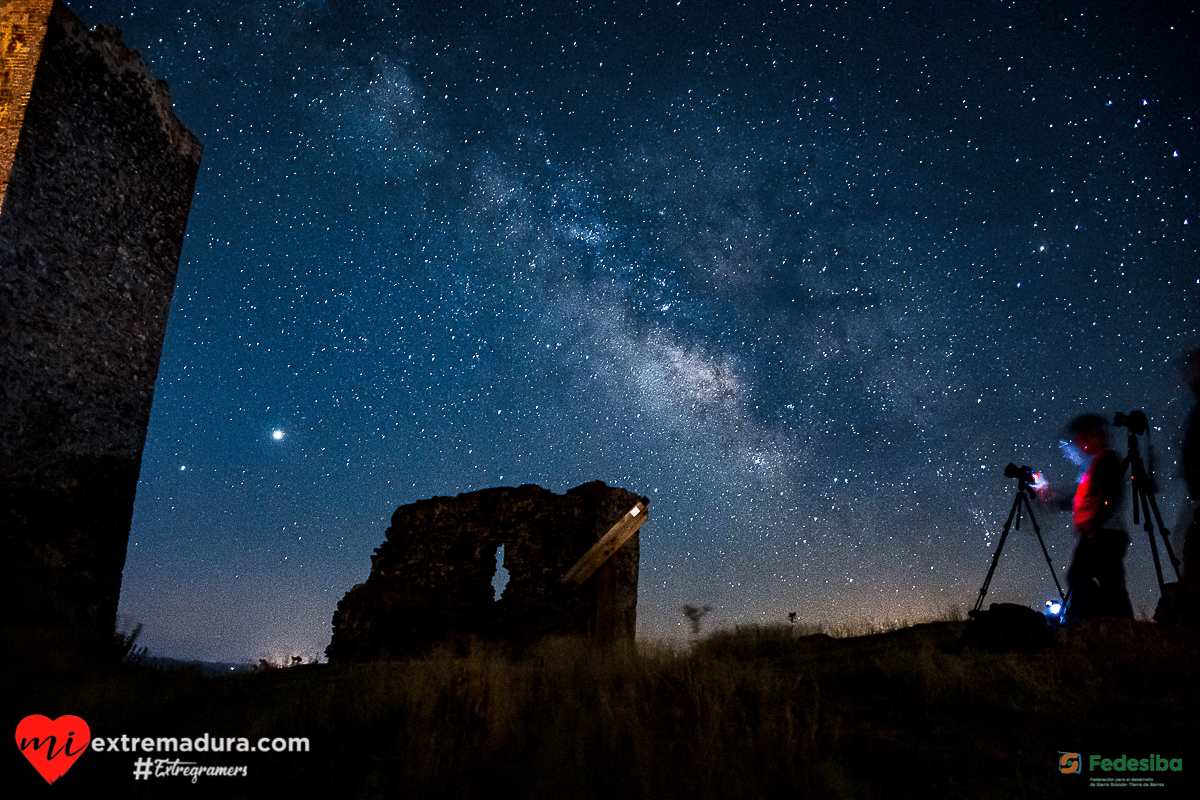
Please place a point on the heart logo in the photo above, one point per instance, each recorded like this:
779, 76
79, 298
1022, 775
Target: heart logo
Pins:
52, 745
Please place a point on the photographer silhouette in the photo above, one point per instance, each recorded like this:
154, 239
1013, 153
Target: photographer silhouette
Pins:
1096, 577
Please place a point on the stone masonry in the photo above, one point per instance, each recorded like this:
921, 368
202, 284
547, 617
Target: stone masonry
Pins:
431, 579
96, 180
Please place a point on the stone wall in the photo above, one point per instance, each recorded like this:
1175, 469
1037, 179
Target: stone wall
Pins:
96, 180
431, 579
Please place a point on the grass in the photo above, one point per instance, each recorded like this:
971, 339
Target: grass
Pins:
753, 712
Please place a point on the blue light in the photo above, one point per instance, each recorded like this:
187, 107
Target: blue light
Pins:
1053, 608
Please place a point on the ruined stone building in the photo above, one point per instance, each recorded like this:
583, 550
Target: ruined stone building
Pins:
96, 180
431, 579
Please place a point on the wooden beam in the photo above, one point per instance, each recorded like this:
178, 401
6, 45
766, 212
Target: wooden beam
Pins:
609, 543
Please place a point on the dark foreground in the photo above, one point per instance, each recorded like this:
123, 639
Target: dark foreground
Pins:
753, 713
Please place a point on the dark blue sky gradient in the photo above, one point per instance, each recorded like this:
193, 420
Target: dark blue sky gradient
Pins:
807, 277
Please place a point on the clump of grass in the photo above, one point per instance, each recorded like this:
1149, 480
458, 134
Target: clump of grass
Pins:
125, 646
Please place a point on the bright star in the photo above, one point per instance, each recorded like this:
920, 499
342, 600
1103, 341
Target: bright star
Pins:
277, 435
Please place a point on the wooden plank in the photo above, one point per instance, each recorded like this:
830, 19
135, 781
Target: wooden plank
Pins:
608, 544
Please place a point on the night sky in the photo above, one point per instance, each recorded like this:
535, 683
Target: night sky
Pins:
807, 277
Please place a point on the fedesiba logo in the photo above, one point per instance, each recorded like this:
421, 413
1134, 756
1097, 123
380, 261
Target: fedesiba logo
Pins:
1070, 763
1073, 764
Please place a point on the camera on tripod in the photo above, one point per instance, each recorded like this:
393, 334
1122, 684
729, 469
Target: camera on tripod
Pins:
1025, 474
1028, 479
1135, 421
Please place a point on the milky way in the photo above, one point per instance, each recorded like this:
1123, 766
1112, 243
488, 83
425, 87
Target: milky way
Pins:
806, 277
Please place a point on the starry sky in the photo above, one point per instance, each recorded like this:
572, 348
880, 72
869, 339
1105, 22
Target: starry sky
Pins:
808, 277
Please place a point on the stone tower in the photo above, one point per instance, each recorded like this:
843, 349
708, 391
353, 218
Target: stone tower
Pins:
96, 180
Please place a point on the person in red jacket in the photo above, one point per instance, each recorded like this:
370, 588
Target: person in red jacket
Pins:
1096, 577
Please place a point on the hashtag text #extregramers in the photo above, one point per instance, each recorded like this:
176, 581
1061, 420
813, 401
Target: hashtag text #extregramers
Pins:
166, 768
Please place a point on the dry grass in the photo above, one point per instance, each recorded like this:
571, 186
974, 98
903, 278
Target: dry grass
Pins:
754, 712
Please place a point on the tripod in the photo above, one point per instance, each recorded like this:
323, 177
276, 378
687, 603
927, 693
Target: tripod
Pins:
1143, 492
1025, 477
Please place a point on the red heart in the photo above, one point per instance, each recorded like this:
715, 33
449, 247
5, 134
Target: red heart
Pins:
53, 745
